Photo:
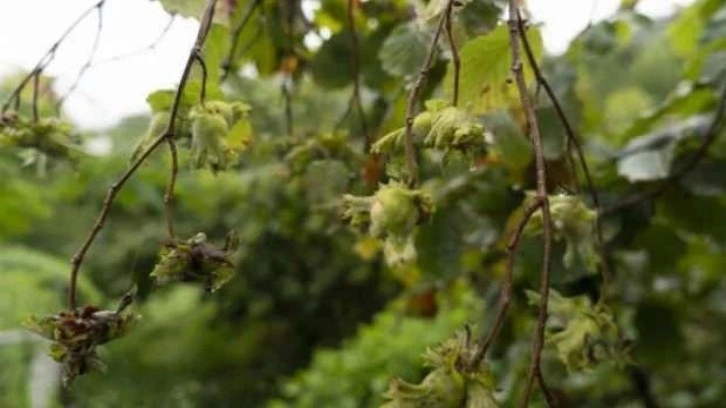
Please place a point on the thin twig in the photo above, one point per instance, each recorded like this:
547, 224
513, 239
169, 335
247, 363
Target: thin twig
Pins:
288, 79
455, 59
48, 57
203, 66
527, 105
640, 379
409, 147
36, 85
77, 259
150, 47
87, 65
287, 96
571, 163
236, 31
708, 138
355, 70
549, 397
169, 194
505, 293
573, 141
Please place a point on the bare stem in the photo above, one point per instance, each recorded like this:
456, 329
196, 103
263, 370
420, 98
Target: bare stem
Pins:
48, 57
87, 65
169, 194
79, 256
533, 126
708, 138
505, 293
355, 70
36, 85
573, 141
409, 147
236, 31
151, 46
203, 66
455, 59
288, 80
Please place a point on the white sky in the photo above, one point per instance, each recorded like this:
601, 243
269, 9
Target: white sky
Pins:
112, 90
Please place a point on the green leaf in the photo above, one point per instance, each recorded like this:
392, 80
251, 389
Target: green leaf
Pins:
186, 8
485, 68
479, 16
404, 51
214, 52
685, 31
162, 100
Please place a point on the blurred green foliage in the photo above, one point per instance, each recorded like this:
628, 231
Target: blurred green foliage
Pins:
314, 317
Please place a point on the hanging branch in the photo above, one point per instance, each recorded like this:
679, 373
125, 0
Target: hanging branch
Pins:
714, 129
355, 99
541, 194
236, 31
48, 57
77, 259
409, 148
169, 193
573, 141
455, 59
197, 55
505, 293
87, 65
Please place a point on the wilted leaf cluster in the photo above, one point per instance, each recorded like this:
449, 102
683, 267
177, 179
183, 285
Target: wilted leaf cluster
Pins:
583, 334
194, 260
452, 382
75, 335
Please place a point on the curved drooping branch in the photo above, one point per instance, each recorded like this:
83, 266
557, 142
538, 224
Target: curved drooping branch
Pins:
572, 141
709, 137
47, 58
87, 65
409, 147
79, 256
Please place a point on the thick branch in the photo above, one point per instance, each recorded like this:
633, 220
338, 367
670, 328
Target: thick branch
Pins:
409, 148
77, 259
533, 126
714, 129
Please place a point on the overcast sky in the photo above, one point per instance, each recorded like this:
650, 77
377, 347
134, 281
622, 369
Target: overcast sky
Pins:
112, 90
